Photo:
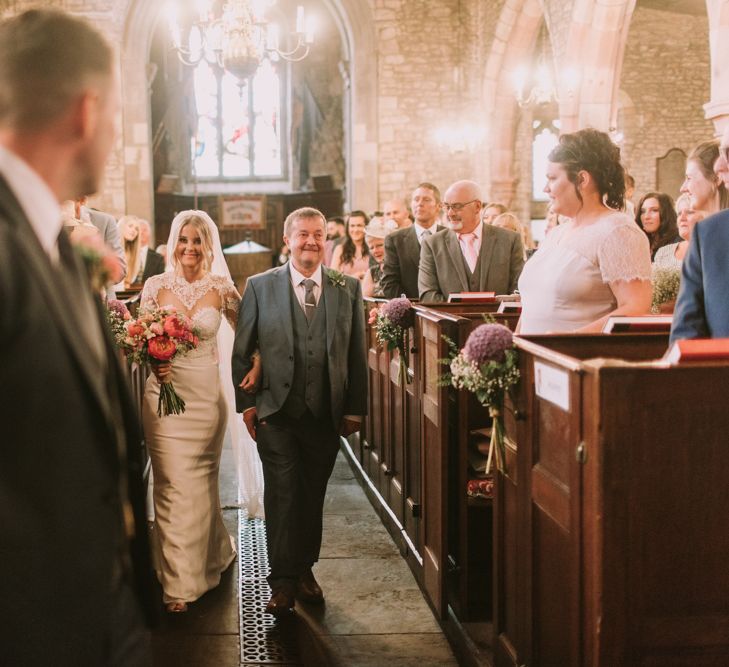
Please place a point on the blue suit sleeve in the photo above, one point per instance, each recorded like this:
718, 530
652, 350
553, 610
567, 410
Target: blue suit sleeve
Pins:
689, 317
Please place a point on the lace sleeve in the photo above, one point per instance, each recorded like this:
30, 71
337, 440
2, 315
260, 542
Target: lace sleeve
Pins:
624, 254
229, 302
150, 292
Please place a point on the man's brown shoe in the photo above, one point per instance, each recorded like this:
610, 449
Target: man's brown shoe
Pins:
280, 604
309, 590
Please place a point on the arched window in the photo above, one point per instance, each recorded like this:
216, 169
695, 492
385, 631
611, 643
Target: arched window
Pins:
544, 138
239, 132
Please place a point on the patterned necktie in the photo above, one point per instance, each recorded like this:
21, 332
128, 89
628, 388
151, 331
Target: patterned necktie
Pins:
470, 253
309, 299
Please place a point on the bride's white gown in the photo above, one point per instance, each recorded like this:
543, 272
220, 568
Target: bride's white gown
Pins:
191, 546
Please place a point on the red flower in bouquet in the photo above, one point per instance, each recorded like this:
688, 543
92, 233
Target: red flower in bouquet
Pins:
174, 327
162, 348
157, 336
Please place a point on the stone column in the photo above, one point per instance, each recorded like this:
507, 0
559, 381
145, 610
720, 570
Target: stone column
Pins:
717, 110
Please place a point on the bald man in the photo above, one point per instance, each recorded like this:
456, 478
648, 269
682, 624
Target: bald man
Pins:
397, 210
470, 256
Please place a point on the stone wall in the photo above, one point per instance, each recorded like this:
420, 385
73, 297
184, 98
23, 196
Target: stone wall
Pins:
428, 77
665, 83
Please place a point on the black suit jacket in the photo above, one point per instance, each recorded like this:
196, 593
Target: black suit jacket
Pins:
402, 259
265, 322
70, 448
154, 265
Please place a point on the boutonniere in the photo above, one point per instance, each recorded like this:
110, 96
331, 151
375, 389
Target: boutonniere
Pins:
336, 278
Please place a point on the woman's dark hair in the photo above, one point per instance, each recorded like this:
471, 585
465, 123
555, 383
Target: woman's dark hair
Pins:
349, 250
594, 152
668, 229
705, 156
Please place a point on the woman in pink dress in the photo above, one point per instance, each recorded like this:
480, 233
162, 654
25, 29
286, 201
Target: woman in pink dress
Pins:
598, 263
352, 255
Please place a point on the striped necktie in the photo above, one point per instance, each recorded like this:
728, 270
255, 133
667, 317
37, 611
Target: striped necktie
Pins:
309, 299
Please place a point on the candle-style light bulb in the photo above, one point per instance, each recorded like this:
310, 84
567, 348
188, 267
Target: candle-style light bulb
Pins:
300, 24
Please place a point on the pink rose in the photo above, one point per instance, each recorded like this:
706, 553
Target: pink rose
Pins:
156, 328
135, 329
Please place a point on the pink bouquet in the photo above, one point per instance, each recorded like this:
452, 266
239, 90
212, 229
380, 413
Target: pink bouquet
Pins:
157, 336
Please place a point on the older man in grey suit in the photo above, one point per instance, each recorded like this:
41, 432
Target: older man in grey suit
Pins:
470, 256
308, 323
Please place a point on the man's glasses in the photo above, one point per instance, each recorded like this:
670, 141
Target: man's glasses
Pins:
457, 207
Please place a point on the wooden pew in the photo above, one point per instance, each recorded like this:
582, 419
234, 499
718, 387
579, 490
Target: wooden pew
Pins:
611, 531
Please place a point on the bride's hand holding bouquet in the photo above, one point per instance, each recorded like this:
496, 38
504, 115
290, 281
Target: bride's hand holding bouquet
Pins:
156, 337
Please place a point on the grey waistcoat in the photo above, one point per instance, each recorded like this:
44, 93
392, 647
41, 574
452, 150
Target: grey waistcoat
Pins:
310, 387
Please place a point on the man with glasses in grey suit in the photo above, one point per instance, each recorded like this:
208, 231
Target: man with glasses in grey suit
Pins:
470, 256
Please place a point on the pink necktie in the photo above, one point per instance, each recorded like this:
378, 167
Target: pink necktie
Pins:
471, 254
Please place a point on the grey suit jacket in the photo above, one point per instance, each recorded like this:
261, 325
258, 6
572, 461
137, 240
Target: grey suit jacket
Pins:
106, 224
265, 323
443, 272
402, 259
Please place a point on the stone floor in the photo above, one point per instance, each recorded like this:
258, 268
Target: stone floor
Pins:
375, 614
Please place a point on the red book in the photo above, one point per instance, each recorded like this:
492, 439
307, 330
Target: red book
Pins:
698, 349
471, 296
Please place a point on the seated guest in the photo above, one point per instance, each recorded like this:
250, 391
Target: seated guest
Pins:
470, 256
396, 210
491, 211
375, 234
510, 221
106, 224
152, 263
402, 247
708, 191
335, 235
671, 256
352, 256
657, 218
702, 307
129, 232
598, 263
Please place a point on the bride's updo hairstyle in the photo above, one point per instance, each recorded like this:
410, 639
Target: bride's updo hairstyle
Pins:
594, 152
199, 223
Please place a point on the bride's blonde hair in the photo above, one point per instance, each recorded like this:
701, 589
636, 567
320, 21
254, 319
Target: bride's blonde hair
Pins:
206, 240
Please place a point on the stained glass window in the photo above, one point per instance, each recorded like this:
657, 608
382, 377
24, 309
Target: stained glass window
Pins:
239, 127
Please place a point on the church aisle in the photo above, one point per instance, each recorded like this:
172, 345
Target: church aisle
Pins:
374, 615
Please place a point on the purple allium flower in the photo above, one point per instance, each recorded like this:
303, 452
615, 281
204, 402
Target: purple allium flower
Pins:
118, 307
488, 342
400, 312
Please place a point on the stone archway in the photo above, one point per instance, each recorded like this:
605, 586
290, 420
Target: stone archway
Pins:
360, 108
595, 38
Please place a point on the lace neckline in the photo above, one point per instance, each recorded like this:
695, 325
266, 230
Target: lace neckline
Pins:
189, 293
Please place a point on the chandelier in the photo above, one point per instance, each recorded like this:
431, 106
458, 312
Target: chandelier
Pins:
536, 85
235, 35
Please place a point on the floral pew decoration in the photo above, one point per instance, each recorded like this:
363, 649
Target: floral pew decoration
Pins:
487, 366
666, 283
392, 322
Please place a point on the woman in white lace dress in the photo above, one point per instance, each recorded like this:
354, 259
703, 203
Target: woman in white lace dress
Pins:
598, 263
190, 543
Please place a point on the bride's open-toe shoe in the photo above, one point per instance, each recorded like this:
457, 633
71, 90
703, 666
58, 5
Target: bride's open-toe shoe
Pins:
176, 607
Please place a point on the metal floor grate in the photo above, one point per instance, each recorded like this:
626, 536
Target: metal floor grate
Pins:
263, 641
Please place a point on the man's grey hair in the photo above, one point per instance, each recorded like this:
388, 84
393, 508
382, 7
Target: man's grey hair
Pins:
47, 59
304, 212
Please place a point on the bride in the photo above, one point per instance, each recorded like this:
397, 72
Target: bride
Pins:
190, 543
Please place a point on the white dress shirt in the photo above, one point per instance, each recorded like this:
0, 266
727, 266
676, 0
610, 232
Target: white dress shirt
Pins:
299, 289
419, 231
35, 198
